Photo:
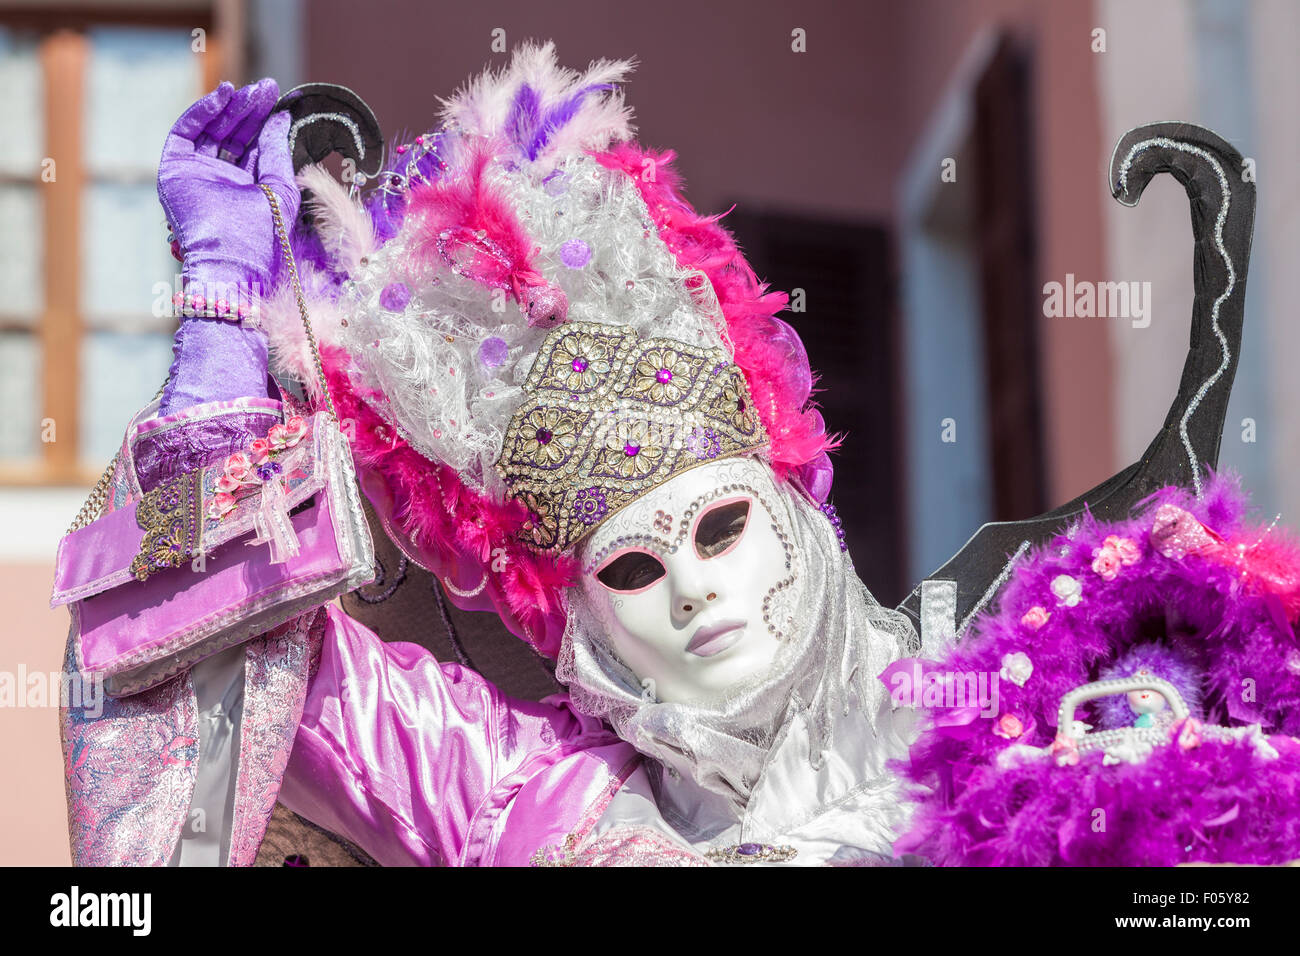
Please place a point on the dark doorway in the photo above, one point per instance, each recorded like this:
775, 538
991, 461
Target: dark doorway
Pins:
845, 272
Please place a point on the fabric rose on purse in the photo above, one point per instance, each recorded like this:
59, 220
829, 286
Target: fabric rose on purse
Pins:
238, 466
223, 502
260, 450
287, 435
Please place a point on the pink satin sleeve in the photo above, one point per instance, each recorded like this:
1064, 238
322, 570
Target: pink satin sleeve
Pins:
399, 753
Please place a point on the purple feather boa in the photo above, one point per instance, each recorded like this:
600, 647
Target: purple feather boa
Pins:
1207, 619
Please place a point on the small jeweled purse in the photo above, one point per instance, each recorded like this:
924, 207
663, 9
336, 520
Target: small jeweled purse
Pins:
162, 583
1134, 744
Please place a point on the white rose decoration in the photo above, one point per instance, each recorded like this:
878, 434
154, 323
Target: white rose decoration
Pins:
1017, 668
1068, 590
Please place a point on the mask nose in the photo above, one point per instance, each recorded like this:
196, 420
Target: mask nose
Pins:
694, 586
689, 605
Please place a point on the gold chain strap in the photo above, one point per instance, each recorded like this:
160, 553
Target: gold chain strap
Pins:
94, 506
302, 301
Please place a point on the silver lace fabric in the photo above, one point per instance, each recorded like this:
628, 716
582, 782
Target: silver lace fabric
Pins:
845, 639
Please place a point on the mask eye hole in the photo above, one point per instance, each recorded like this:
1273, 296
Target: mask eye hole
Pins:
631, 571
721, 527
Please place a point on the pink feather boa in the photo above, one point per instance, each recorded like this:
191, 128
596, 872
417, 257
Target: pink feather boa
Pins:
451, 527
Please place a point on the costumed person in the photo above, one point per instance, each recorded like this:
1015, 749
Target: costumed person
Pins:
567, 395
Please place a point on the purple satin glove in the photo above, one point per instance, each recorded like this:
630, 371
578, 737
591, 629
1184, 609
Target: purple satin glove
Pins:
215, 156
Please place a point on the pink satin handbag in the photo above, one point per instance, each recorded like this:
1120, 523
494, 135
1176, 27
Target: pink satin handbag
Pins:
218, 555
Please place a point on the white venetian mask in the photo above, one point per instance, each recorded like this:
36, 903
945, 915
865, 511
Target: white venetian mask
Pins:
694, 580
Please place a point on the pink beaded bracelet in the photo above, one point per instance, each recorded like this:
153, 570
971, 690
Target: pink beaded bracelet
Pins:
195, 306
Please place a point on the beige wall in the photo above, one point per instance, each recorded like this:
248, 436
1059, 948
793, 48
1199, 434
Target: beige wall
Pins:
1202, 62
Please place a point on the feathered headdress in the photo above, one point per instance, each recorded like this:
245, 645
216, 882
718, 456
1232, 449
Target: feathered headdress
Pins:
525, 326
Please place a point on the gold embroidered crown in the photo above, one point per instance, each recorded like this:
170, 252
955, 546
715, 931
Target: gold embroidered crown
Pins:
607, 416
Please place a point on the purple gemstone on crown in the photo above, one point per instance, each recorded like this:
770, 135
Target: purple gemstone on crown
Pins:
630, 449
493, 352
395, 296
703, 442
750, 849
579, 364
589, 506
575, 253
544, 436
740, 404
664, 375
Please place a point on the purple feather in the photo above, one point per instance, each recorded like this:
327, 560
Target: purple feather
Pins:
560, 115
530, 127
524, 123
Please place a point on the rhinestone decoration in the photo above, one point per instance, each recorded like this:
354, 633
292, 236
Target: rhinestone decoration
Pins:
752, 853
394, 296
832, 515
607, 416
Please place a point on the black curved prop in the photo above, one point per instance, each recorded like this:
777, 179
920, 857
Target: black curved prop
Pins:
328, 118
1223, 218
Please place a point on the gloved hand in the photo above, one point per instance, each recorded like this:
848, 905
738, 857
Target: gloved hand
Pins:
215, 156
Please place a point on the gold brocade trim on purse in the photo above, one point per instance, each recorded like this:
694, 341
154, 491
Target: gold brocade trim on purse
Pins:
171, 517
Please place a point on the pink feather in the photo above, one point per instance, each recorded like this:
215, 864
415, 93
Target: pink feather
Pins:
456, 524
470, 203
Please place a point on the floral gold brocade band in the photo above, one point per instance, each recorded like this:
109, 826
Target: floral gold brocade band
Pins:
608, 416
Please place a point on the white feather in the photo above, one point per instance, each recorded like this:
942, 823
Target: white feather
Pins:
343, 225
290, 352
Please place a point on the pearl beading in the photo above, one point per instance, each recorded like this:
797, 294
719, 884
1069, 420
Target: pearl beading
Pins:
195, 306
